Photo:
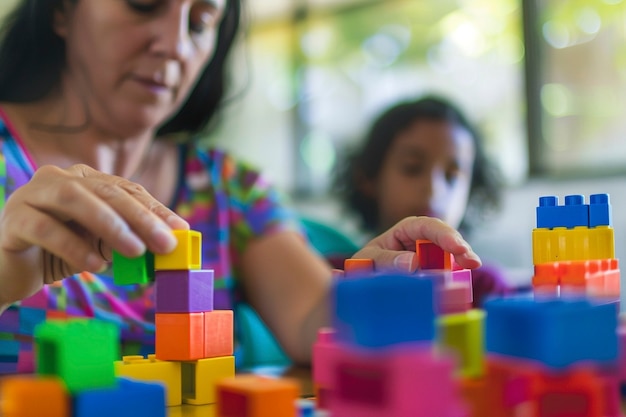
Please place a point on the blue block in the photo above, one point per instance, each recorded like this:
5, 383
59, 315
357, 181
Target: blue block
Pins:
574, 213
128, 399
548, 212
385, 310
29, 318
600, 210
557, 333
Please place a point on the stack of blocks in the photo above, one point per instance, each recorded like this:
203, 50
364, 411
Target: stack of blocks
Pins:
551, 357
194, 342
75, 377
573, 248
380, 357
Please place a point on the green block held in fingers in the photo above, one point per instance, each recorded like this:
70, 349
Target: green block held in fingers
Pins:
81, 352
139, 270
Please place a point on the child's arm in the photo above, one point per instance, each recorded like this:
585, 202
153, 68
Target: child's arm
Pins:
289, 285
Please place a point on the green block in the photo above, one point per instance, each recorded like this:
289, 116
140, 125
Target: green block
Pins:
81, 352
139, 270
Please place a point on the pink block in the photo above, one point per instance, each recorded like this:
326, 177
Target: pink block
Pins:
322, 347
455, 297
398, 382
464, 275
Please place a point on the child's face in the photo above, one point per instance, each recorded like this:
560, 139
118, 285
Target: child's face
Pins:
426, 172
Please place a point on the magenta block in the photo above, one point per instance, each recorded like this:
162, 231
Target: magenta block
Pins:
322, 347
184, 291
397, 382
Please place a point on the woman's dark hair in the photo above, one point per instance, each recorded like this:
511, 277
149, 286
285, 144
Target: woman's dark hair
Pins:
32, 58
366, 162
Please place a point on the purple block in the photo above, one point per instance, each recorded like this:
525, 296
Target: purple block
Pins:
184, 291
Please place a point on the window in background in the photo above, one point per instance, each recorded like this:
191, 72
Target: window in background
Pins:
582, 87
317, 81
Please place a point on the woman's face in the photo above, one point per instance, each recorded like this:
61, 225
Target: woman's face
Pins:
134, 62
427, 172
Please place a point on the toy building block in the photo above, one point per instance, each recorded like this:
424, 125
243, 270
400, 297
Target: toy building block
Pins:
179, 336
201, 377
600, 213
475, 395
153, 370
187, 255
397, 382
257, 396
127, 399
184, 291
28, 396
384, 310
358, 267
579, 392
321, 373
138, 270
579, 244
574, 213
463, 333
218, 333
557, 333
81, 352
431, 256
454, 297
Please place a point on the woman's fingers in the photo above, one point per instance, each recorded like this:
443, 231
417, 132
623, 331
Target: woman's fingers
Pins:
395, 249
36, 228
110, 208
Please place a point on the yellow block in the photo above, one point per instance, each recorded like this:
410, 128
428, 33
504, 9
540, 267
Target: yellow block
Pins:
187, 255
201, 376
577, 244
153, 370
463, 333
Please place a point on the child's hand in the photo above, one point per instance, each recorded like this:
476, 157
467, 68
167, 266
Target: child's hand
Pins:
395, 249
66, 221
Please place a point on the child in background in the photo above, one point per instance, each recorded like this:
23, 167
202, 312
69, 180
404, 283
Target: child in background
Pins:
423, 158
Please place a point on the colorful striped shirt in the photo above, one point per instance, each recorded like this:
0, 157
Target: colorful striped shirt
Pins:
228, 202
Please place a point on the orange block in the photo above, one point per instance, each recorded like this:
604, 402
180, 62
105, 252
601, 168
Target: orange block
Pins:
218, 333
257, 396
29, 396
358, 267
474, 393
546, 274
179, 336
576, 393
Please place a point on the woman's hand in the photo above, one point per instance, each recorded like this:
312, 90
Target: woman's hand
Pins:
66, 221
395, 249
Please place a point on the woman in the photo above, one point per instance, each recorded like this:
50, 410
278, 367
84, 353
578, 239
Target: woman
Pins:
90, 105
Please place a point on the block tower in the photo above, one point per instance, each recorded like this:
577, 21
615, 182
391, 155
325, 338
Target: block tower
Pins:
380, 357
573, 248
459, 327
194, 342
